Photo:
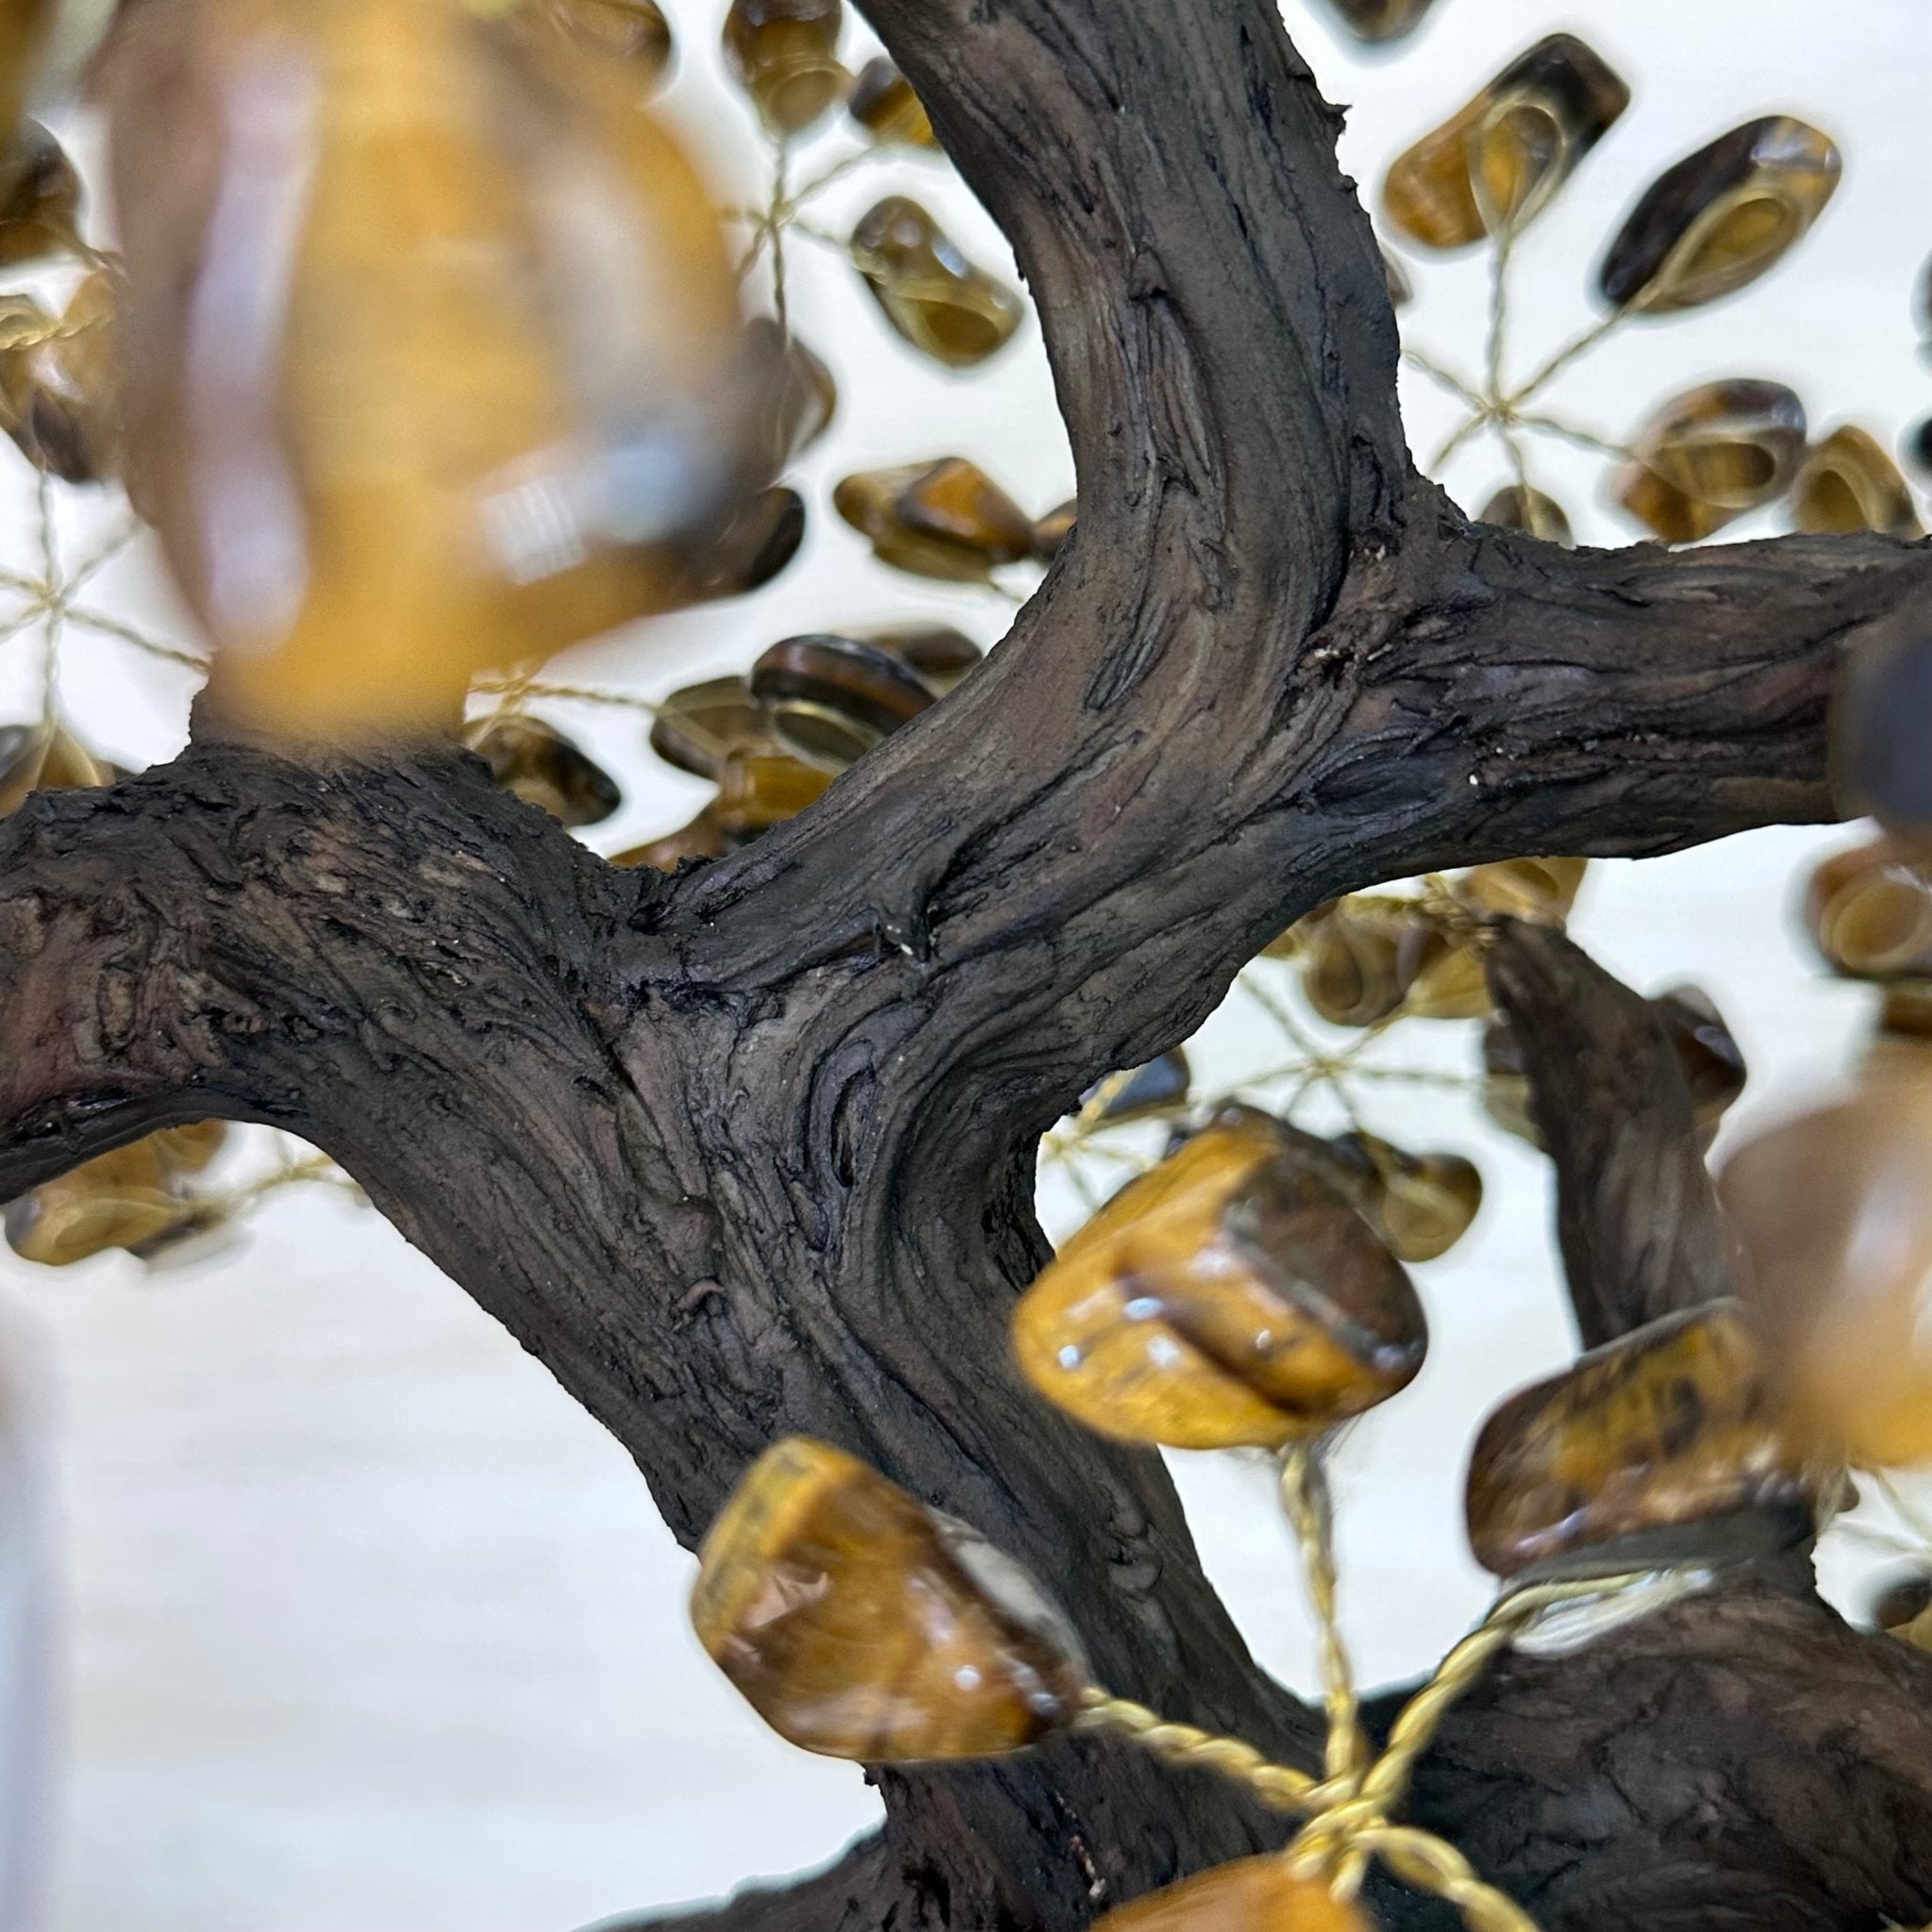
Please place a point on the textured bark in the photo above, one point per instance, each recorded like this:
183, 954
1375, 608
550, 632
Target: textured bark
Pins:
749, 1150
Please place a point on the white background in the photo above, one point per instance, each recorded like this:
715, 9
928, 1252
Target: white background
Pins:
360, 1625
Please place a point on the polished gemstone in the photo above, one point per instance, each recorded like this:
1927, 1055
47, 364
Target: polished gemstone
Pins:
941, 654
1869, 911
1228, 1297
1051, 531
1514, 507
696, 726
1251, 1895
1366, 957
1542, 891
860, 1623
1421, 1205
832, 698
760, 788
1493, 165
948, 519
940, 302
1381, 19
59, 381
542, 767
757, 537
190, 1149
1847, 483
39, 758
1720, 218
784, 55
1707, 1052
885, 106
1709, 456
1666, 1445
119, 1200
636, 29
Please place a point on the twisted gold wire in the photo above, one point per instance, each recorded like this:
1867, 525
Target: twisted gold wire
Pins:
1310, 1513
1187, 1747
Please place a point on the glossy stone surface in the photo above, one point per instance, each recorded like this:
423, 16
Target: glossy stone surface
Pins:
1421, 1205
947, 520
1540, 889
698, 723
760, 788
860, 1623
1869, 910
1051, 531
546, 769
941, 303
1228, 1297
1251, 1895
745, 550
1847, 483
883, 103
941, 654
1665, 1446
1380, 20
1836, 1218
1721, 217
458, 426
1365, 957
784, 55
125, 1199
1494, 163
1709, 455
40, 199
34, 758
832, 698
59, 383
1707, 1050
1512, 508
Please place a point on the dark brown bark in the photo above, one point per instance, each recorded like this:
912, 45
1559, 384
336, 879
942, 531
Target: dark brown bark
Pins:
750, 1150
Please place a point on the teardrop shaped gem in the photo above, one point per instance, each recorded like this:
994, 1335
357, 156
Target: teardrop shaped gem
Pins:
1364, 957
1381, 19
1250, 1896
860, 1623
947, 520
1709, 456
1847, 483
885, 106
1493, 164
1667, 1445
1721, 217
1513, 508
940, 302
939, 654
38, 757
784, 55
540, 765
1227, 1297
1421, 1205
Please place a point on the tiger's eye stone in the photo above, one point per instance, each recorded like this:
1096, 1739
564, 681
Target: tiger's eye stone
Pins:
784, 55
34, 758
702, 838
60, 385
696, 726
1364, 958
860, 1623
760, 788
490, 372
832, 698
940, 302
941, 654
1380, 20
1542, 891
40, 199
948, 519
191, 1148
1419, 1205
1707, 1050
1250, 1896
540, 765
1709, 456
1493, 165
636, 30
118, 1200
1666, 1445
1159, 1086
1227, 1297
801, 395
1870, 912
1720, 218
1835, 1220
1847, 484
1051, 531
884, 105
747, 549
1513, 508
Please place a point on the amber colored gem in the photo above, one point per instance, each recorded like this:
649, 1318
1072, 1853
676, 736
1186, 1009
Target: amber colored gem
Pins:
833, 698
1666, 1445
1493, 165
540, 765
883, 103
784, 55
1707, 1050
1364, 956
1870, 912
696, 726
59, 383
488, 373
634, 29
702, 838
1542, 891
760, 788
1847, 484
1836, 1218
1513, 508
118, 1200
744, 551
1381, 19
1159, 1086
1227, 1297
1902, 1601
946, 520
860, 1623
941, 654
189, 1148
1050, 532
1250, 1896
1709, 456
1421, 1205
40, 199
943, 305
1450, 982
1720, 218
35, 759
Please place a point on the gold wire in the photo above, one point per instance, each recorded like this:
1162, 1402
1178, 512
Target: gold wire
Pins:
1306, 1500
1187, 1747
